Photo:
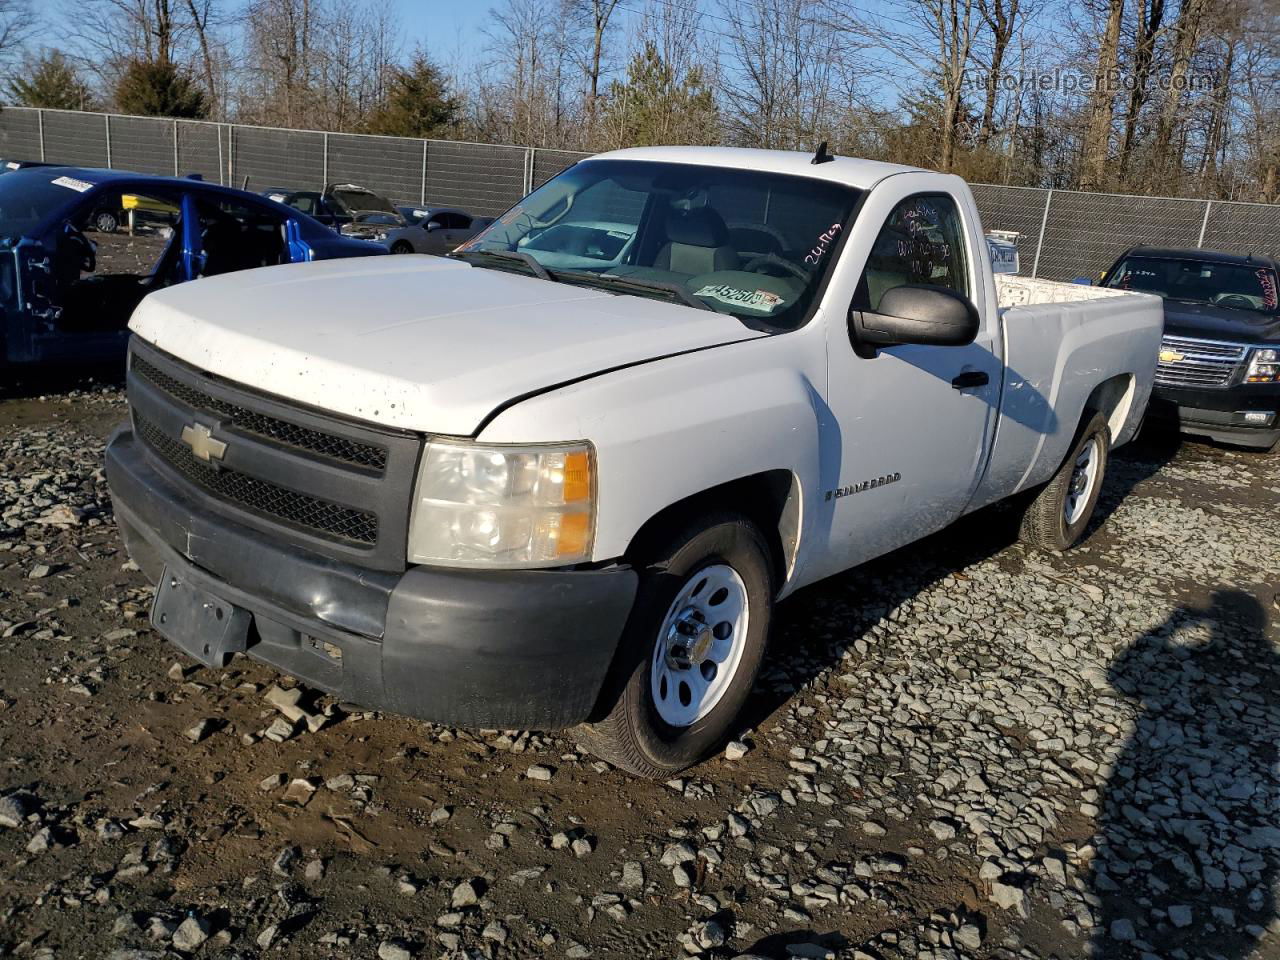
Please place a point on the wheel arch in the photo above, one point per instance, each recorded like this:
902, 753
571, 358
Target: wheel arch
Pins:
1113, 398
772, 499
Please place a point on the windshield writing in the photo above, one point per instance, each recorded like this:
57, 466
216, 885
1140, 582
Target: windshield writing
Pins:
1231, 285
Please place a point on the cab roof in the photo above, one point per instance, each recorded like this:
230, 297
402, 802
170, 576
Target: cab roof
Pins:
850, 171
1208, 256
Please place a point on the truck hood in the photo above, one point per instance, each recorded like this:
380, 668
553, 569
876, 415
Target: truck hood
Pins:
1186, 319
419, 343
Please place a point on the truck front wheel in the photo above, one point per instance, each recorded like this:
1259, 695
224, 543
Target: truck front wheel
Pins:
1057, 518
690, 651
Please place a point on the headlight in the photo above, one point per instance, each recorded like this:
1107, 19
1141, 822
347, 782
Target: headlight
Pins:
1264, 367
380, 235
502, 506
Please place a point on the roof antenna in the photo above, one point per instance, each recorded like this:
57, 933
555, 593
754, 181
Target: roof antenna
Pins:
822, 156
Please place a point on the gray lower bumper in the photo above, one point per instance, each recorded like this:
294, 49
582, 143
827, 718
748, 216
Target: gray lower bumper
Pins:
492, 649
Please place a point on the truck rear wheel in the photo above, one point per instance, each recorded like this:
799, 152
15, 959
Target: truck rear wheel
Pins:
1057, 518
690, 651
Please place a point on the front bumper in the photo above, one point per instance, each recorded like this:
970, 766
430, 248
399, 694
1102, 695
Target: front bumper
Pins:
478, 649
1248, 414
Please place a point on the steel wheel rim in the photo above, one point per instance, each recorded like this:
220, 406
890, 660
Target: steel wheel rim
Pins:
1084, 476
699, 645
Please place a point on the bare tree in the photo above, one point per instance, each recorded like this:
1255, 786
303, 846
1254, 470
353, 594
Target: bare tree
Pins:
1186, 39
600, 12
1102, 100
201, 13
950, 29
1001, 19
783, 83
1148, 25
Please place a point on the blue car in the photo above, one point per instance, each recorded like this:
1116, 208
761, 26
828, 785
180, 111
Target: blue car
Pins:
80, 248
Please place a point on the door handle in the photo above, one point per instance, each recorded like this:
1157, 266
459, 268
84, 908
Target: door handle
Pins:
970, 379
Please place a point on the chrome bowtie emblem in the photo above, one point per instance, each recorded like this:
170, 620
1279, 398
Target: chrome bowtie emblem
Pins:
200, 439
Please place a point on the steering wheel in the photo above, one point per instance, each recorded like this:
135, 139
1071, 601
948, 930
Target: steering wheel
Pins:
84, 247
773, 260
1237, 300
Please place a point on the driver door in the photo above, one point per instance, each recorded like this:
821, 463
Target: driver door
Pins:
914, 421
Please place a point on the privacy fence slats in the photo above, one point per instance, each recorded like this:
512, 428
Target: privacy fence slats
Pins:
1075, 234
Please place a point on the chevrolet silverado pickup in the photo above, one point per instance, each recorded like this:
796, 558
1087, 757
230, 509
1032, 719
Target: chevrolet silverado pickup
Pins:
1219, 369
561, 477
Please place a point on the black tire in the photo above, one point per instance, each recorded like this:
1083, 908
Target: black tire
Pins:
106, 221
402, 246
632, 735
1045, 522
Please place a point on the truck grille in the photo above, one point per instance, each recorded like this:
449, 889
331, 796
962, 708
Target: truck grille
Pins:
314, 441
330, 485
1190, 362
260, 496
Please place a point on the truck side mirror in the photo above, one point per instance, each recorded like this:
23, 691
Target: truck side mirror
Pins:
917, 313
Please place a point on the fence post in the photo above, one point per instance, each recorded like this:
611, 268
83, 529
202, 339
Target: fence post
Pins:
222, 170
324, 164
231, 155
422, 200
175, 149
1044, 222
40, 127
528, 170
106, 118
1204, 224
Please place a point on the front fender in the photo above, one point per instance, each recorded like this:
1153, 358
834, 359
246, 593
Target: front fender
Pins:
672, 428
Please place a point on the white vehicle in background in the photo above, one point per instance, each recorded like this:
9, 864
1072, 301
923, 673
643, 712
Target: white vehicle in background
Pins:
438, 230
562, 477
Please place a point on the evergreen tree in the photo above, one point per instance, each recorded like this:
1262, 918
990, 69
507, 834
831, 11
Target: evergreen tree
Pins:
657, 106
417, 104
160, 88
51, 82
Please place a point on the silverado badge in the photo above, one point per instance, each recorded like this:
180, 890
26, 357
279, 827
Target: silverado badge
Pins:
200, 439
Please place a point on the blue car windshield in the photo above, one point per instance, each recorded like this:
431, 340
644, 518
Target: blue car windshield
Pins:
27, 197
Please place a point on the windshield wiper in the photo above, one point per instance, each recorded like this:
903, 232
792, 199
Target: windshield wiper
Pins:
511, 256
635, 283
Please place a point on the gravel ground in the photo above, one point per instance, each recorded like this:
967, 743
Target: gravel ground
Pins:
965, 749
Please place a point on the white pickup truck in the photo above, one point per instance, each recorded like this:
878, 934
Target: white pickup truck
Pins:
562, 476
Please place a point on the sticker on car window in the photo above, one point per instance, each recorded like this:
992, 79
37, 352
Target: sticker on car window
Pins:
71, 183
762, 300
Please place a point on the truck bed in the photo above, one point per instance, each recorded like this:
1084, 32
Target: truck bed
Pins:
1061, 341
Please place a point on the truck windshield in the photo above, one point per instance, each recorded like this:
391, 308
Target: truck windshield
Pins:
752, 244
27, 197
1236, 286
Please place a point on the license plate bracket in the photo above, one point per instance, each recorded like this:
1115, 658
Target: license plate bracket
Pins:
201, 624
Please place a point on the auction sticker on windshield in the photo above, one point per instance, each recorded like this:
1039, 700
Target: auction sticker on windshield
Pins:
80, 186
762, 300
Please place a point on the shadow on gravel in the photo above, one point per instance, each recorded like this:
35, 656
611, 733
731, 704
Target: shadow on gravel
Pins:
812, 629
775, 945
1130, 466
1188, 847
24, 383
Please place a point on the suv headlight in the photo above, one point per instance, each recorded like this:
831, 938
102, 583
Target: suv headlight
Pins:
501, 506
1264, 367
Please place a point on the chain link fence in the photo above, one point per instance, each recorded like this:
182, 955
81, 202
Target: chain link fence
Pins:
1064, 234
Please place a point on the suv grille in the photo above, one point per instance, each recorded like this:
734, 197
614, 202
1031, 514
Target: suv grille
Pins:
280, 504
1189, 362
259, 424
